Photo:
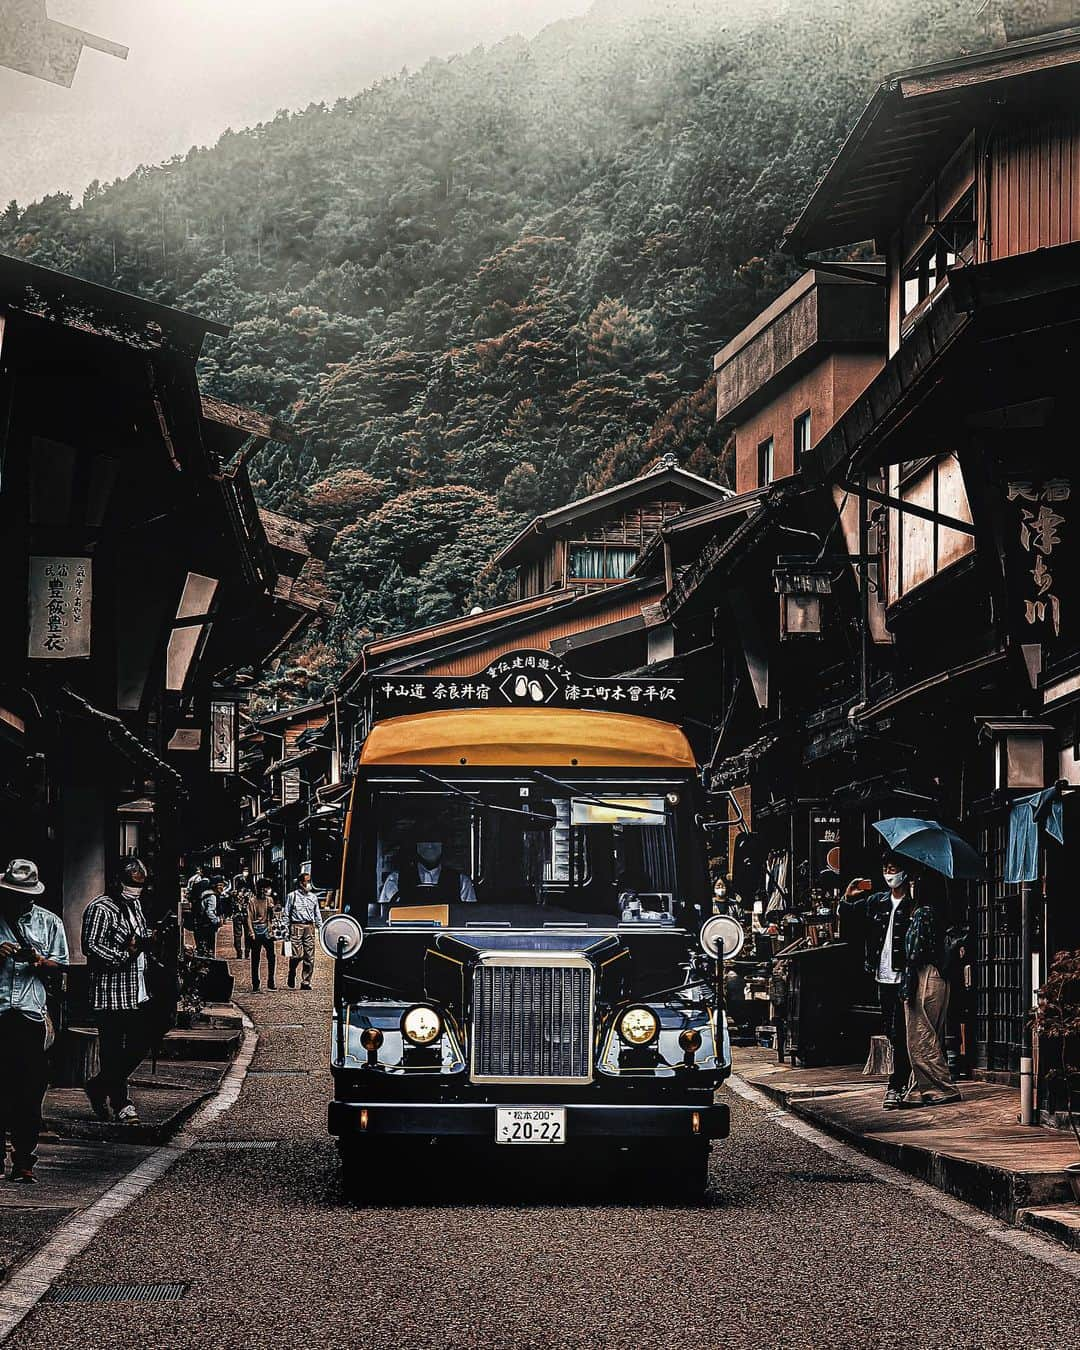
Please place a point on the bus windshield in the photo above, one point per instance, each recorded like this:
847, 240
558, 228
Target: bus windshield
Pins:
523, 852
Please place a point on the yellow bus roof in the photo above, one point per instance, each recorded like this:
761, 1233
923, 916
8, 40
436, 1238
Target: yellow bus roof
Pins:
528, 737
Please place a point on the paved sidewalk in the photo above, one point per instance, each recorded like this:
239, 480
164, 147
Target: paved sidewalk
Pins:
973, 1149
81, 1157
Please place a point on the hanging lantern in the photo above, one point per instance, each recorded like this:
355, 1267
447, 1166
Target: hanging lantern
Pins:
1019, 746
800, 587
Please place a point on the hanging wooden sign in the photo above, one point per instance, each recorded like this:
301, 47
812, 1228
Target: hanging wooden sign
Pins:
223, 727
61, 594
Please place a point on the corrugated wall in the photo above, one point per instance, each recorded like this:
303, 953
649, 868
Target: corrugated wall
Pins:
1034, 186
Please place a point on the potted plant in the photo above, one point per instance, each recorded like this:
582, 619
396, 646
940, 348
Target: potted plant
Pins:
1057, 1020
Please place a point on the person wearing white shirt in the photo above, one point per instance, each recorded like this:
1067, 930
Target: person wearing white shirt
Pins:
303, 916
426, 879
886, 916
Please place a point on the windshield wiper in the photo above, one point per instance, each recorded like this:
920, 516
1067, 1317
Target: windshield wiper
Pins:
474, 799
620, 805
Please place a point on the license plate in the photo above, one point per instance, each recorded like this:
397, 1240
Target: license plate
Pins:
530, 1124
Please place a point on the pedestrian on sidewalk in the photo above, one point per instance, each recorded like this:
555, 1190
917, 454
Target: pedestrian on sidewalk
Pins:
926, 1005
242, 896
260, 932
115, 941
886, 915
32, 943
303, 915
207, 915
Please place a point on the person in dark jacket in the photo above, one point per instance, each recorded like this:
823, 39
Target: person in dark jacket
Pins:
886, 915
206, 912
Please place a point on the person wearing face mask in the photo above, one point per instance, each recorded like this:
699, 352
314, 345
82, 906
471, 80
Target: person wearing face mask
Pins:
886, 916
303, 915
32, 943
425, 879
115, 941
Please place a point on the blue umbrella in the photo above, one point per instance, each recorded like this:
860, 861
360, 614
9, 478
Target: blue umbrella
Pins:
933, 845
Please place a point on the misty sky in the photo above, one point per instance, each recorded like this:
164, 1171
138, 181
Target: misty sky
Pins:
199, 66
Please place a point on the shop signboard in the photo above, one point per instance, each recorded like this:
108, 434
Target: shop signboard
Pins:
825, 849
523, 679
223, 738
60, 602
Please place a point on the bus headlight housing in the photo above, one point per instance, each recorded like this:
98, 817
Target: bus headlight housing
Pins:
638, 1026
421, 1025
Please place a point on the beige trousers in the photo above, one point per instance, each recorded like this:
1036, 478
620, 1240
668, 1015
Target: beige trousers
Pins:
924, 1015
302, 936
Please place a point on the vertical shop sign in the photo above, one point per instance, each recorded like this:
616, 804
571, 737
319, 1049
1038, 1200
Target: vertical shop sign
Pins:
61, 593
1039, 527
223, 719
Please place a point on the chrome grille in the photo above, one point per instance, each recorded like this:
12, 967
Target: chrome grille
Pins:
532, 1020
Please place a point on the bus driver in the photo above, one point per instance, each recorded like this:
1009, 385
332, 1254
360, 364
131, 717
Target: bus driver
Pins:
425, 879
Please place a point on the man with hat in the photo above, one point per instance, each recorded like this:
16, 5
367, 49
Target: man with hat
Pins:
32, 942
115, 941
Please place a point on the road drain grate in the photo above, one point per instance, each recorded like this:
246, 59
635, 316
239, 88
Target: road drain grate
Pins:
235, 1144
116, 1293
863, 1177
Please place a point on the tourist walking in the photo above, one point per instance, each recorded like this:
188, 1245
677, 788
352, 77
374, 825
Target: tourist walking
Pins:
115, 941
260, 932
241, 897
32, 943
303, 915
207, 916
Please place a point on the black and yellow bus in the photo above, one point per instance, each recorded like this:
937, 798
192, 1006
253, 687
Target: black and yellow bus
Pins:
526, 952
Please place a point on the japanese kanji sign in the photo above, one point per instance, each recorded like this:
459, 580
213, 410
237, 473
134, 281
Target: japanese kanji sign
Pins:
223, 725
61, 592
1039, 528
523, 679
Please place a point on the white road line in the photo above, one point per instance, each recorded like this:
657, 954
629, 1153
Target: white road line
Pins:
1038, 1248
24, 1290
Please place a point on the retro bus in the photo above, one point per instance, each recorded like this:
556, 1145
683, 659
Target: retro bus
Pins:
526, 953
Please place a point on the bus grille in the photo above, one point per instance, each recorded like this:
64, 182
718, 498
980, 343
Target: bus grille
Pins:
532, 1023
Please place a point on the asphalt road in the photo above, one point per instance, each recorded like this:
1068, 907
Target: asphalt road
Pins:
791, 1247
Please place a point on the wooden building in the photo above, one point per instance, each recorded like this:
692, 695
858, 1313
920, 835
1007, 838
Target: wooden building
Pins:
892, 628
579, 597
595, 541
140, 579
791, 372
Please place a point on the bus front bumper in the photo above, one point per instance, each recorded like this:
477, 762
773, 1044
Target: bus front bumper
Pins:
620, 1124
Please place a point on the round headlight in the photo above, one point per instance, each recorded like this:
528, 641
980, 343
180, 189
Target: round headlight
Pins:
421, 1025
638, 1026
723, 934
336, 928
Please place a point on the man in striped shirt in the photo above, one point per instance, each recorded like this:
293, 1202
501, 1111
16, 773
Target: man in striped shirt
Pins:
115, 939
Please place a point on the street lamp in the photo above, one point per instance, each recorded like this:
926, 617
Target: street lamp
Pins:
800, 587
1019, 752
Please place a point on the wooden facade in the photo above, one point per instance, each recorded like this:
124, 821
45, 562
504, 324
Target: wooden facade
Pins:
952, 476
595, 542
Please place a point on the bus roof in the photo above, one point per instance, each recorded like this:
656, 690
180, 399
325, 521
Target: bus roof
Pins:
528, 738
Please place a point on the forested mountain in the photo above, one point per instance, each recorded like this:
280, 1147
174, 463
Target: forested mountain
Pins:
485, 287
